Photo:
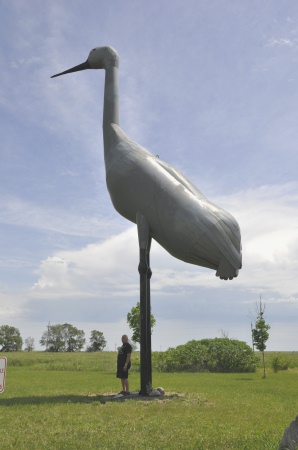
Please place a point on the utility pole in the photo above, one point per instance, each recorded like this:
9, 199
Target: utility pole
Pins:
48, 336
252, 337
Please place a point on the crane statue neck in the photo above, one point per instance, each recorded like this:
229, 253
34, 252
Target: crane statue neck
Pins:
105, 58
111, 96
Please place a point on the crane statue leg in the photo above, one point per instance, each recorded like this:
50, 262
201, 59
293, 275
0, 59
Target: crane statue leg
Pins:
145, 308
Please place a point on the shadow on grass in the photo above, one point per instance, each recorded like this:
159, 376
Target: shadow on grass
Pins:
244, 379
81, 399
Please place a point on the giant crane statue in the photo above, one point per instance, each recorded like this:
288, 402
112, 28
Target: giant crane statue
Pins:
163, 203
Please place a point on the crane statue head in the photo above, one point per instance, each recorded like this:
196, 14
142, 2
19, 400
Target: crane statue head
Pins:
99, 58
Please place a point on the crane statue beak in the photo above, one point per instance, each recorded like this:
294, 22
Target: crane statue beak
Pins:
85, 65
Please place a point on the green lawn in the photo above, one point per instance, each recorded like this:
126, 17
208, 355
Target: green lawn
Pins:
57, 401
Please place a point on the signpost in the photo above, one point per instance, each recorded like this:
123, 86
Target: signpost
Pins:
3, 364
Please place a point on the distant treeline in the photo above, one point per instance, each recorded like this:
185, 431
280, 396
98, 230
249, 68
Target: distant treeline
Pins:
56, 338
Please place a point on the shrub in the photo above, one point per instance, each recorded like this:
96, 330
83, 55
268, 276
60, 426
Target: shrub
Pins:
191, 357
213, 355
279, 363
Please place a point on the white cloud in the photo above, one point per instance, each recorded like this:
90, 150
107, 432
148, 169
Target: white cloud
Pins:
11, 305
95, 270
25, 213
267, 216
281, 42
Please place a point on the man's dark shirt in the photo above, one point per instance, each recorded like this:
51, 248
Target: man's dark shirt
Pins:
122, 354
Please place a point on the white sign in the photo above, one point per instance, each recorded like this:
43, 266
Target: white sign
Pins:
3, 364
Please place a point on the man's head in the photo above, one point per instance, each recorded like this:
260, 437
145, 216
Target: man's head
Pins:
124, 339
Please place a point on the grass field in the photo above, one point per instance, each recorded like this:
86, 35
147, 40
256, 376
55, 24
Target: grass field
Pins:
57, 401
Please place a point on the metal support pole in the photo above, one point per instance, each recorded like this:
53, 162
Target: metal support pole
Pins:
145, 313
148, 323
145, 308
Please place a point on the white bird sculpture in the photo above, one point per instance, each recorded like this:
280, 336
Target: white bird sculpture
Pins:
163, 203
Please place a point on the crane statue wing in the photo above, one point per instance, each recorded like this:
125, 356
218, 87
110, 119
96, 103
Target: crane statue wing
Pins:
180, 217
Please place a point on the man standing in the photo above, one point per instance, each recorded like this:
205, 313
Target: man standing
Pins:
123, 364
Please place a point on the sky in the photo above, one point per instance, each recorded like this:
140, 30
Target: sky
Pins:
212, 88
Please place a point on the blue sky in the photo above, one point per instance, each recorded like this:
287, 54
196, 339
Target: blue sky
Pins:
212, 88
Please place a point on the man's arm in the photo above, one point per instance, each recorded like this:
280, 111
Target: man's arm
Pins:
127, 361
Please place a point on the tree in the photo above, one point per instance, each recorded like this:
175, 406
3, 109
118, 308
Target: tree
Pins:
260, 331
29, 342
63, 338
53, 338
134, 345
10, 339
134, 322
97, 341
74, 338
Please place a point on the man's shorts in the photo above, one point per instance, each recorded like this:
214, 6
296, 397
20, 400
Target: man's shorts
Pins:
123, 374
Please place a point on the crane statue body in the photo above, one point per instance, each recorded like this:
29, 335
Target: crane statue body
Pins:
163, 203
143, 188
